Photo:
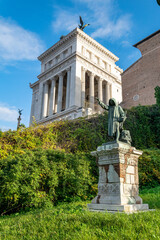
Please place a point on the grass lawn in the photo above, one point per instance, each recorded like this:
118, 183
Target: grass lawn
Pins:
72, 221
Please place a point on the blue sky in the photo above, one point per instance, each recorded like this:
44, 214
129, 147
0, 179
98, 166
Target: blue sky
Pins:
29, 27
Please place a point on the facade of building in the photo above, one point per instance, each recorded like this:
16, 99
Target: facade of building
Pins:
140, 79
73, 72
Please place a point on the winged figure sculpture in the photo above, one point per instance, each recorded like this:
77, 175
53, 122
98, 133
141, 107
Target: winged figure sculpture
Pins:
82, 26
20, 112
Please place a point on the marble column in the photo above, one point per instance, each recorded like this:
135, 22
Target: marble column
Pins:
100, 89
45, 100
68, 87
107, 92
32, 108
110, 90
83, 87
60, 92
72, 85
40, 100
91, 91
52, 97
100, 92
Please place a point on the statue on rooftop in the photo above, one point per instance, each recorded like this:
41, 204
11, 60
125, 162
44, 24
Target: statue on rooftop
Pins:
82, 26
116, 118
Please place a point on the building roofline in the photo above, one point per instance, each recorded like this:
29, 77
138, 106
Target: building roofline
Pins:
75, 55
145, 39
85, 36
31, 85
131, 66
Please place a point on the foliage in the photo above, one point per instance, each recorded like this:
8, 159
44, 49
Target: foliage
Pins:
144, 125
151, 197
83, 135
40, 178
42, 165
157, 95
149, 168
43, 177
72, 221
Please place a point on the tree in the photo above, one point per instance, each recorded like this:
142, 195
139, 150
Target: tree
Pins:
157, 95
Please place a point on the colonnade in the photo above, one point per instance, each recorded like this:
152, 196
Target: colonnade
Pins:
56, 92
94, 86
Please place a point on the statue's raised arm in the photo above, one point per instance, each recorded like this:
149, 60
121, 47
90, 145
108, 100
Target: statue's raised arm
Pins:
104, 106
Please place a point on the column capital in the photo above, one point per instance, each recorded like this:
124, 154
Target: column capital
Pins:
84, 69
107, 83
91, 74
45, 82
68, 69
61, 74
53, 78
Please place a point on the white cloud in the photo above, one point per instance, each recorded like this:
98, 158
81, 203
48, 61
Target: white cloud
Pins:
107, 21
134, 55
126, 43
114, 30
64, 20
17, 43
7, 113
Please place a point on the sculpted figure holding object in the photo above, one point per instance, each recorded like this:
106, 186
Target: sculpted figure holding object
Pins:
116, 118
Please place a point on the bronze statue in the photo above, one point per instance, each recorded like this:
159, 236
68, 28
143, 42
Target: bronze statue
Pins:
82, 26
116, 118
19, 117
20, 112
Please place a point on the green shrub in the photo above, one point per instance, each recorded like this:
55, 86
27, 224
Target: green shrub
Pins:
149, 169
157, 95
83, 135
144, 125
42, 177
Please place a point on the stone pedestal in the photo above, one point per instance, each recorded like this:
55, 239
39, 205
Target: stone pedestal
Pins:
118, 185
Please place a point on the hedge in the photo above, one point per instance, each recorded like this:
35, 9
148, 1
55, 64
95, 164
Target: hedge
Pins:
41, 178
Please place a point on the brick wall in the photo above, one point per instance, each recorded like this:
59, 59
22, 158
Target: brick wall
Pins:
140, 79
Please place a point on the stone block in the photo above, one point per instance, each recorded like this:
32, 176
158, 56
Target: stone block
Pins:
130, 169
128, 208
132, 179
110, 189
112, 175
128, 178
130, 190
107, 199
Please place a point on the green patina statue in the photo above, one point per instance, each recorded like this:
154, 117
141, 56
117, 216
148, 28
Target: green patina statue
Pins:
82, 25
116, 118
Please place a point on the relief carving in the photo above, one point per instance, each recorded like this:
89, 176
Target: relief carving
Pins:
108, 189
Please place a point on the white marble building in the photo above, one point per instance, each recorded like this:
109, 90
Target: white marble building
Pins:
74, 71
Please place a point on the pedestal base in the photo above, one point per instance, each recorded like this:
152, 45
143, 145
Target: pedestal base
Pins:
129, 208
118, 186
